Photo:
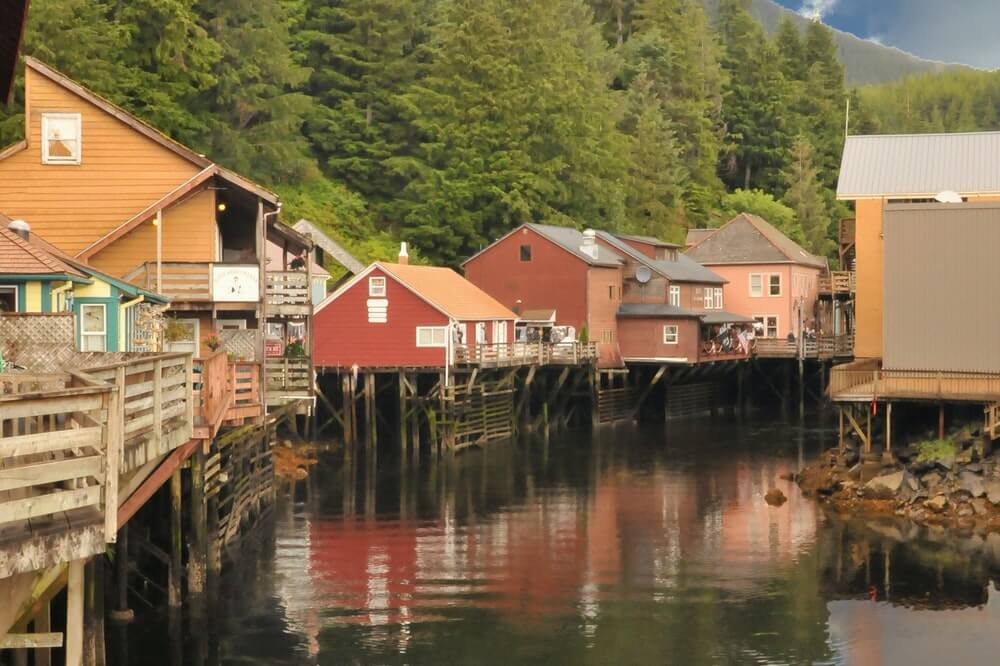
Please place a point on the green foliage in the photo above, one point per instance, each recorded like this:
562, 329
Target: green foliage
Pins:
934, 450
804, 197
762, 204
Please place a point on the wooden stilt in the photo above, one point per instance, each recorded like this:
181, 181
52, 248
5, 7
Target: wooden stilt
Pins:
802, 388
868, 430
176, 541
841, 442
74, 614
940, 420
595, 393
402, 416
198, 547
887, 454
121, 613
43, 625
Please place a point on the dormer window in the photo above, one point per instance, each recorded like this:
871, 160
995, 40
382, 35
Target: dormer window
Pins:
61, 138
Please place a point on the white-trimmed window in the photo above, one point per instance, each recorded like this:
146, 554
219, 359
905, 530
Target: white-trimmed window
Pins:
774, 284
675, 296
8, 297
717, 298
61, 138
670, 334
376, 287
756, 285
768, 325
432, 336
93, 327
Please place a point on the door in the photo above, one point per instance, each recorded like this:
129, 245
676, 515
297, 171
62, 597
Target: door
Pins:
481, 333
499, 332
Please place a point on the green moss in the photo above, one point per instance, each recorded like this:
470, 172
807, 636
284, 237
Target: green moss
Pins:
932, 450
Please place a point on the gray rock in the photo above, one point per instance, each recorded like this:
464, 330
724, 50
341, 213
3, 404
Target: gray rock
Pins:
913, 483
974, 467
964, 511
972, 483
980, 506
931, 479
993, 491
938, 503
885, 486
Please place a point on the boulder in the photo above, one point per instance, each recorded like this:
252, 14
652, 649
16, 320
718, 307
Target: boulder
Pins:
972, 483
931, 479
964, 457
974, 467
913, 483
964, 510
885, 486
937, 504
775, 497
980, 506
993, 491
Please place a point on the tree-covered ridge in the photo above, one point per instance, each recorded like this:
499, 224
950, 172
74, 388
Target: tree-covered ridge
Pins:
446, 123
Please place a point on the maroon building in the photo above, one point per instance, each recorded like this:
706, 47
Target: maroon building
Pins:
403, 316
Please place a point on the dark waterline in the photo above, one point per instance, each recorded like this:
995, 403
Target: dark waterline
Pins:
635, 546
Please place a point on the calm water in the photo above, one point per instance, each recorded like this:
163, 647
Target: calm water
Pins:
650, 546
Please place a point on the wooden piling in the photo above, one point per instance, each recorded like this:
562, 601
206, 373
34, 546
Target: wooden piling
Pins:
802, 388
74, 614
43, 625
940, 420
402, 416
121, 612
198, 546
176, 541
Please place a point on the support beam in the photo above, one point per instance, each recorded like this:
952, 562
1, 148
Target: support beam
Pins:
176, 541
198, 546
74, 614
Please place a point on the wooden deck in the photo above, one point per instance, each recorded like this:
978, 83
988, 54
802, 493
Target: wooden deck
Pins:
838, 283
865, 381
514, 354
830, 347
288, 294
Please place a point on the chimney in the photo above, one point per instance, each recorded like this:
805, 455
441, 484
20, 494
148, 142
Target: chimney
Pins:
404, 257
589, 246
21, 228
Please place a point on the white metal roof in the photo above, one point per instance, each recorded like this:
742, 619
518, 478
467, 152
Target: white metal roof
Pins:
919, 165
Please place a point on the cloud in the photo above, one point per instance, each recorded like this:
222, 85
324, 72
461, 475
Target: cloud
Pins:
817, 10
877, 39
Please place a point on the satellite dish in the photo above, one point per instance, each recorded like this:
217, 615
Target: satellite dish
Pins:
948, 196
643, 274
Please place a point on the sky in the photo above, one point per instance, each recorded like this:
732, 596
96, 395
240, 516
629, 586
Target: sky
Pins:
963, 31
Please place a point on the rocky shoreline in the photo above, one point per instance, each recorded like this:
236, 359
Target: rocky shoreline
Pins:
952, 482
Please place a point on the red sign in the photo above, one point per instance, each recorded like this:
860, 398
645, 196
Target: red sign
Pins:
273, 347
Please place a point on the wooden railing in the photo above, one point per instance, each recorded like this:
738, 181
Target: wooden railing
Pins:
59, 453
712, 357
509, 354
158, 405
836, 346
288, 376
213, 391
838, 282
846, 232
246, 384
182, 280
865, 380
288, 292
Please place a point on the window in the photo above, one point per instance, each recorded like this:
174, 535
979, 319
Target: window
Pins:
717, 298
607, 336
184, 336
675, 296
376, 287
432, 336
670, 335
774, 284
93, 328
767, 325
525, 253
611, 292
60, 138
8, 298
232, 325
756, 284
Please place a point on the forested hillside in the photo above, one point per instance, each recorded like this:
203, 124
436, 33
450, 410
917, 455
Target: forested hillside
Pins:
448, 122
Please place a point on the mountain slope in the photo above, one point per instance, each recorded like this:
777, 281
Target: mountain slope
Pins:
864, 61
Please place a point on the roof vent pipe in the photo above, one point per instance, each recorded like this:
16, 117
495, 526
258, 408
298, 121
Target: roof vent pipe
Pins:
21, 228
589, 246
404, 256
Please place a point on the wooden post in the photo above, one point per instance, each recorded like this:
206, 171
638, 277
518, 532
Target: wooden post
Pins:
940, 420
840, 413
595, 397
122, 613
43, 625
176, 541
868, 430
887, 454
345, 390
197, 549
371, 409
740, 369
74, 614
402, 416
802, 385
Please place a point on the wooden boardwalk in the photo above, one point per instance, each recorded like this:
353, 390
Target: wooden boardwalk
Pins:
865, 381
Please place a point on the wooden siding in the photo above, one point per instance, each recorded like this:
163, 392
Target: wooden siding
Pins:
737, 298
604, 288
121, 172
940, 272
343, 336
642, 338
868, 304
189, 234
553, 279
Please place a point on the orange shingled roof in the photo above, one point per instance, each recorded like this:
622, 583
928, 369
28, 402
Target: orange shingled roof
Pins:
19, 257
449, 292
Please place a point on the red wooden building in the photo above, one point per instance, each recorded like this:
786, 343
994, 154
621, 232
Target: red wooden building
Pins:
403, 316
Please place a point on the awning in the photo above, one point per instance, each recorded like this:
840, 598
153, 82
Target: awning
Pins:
723, 317
537, 317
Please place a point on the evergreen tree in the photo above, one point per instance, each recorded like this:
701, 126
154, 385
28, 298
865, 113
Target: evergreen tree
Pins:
762, 204
754, 113
517, 124
257, 107
804, 196
791, 50
823, 101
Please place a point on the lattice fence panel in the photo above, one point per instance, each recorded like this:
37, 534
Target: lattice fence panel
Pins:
241, 343
37, 342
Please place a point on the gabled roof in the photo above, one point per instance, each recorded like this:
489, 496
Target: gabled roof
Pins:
911, 166
685, 269
648, 240
567, 238
21, 257
695, 236
749, 239
442, 288
15, 16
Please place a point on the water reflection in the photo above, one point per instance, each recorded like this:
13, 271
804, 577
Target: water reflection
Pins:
646, 546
